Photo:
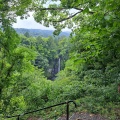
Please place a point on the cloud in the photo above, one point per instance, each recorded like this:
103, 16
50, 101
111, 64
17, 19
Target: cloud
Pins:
30, 23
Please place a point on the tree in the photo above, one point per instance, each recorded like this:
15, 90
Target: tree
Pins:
60, 14
27, 34
14, 59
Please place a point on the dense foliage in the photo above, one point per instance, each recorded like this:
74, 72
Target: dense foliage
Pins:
49, 51
91, 75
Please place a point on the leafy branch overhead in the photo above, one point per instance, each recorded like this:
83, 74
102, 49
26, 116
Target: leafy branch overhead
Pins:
60, 13
54, 12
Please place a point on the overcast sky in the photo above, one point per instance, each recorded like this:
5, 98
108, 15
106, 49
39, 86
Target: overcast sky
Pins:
30, 23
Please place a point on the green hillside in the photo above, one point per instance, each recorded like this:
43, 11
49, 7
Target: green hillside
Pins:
39, 32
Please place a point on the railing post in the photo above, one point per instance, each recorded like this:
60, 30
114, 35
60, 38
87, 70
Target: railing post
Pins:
67, 110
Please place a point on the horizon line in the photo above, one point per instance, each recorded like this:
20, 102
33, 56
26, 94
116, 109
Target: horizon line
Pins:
41, 29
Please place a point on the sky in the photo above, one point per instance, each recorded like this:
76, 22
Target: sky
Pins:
30, 23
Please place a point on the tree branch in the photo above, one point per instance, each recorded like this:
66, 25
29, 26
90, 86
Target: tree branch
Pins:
82, 10
42, 9
65, 8
61, 20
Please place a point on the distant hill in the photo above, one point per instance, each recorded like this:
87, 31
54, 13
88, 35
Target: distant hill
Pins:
39, 32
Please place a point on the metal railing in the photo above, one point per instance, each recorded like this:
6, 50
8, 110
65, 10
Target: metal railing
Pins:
67, 110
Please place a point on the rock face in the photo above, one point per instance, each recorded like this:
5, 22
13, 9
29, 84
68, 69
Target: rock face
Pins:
86, 116
77, 116
62, 118
83, 116
34, 118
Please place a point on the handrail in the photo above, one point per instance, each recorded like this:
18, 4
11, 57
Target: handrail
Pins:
67, 110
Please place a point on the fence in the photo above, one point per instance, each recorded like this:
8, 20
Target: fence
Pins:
67, 110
